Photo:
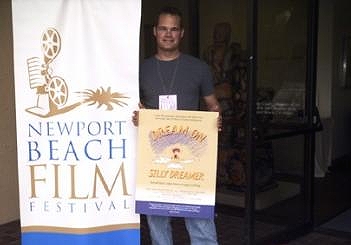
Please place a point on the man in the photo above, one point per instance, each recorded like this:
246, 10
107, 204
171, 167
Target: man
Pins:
175, 81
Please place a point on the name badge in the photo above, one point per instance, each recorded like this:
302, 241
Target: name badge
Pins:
167, 102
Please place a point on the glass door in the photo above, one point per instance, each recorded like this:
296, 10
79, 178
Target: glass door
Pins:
263, 55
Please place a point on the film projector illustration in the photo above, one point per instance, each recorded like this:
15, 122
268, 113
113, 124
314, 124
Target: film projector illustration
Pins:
52, 91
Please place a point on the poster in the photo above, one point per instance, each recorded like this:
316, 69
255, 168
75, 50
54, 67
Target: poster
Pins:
76, 86
176, 164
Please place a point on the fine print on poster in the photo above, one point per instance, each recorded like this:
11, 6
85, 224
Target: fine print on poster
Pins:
176, 163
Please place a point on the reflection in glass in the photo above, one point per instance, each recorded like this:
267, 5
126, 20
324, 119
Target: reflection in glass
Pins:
282, 45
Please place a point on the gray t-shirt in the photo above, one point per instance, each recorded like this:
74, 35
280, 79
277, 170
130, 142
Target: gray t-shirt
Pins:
187, 77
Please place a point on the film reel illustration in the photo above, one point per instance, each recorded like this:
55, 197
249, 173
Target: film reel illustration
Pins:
52, 90
50, 44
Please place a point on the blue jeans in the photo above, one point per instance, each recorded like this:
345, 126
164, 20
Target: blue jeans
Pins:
201, 231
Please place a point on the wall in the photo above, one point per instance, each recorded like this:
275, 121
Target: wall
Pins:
8, 162
325, 58
341, 97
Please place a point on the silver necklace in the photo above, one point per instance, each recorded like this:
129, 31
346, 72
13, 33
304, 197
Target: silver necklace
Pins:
172, 79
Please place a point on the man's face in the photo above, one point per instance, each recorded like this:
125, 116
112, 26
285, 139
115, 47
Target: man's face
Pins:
168, 33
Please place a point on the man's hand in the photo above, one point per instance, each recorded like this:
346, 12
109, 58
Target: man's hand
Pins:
219, 123
213, 105
135, 117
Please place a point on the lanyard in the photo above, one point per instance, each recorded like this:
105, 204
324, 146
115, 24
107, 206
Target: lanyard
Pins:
173, 76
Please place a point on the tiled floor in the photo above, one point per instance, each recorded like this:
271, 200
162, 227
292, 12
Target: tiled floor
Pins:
229, 232
10, 233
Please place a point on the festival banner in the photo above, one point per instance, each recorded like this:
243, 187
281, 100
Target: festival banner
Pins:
76, 68
176, 165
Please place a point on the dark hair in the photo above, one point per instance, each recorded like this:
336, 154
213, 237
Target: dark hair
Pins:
171, 11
